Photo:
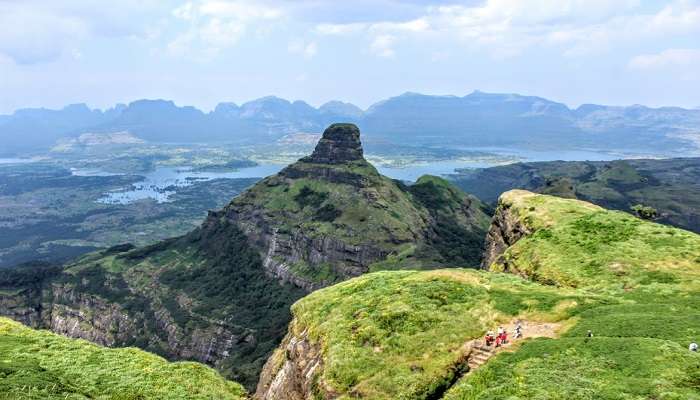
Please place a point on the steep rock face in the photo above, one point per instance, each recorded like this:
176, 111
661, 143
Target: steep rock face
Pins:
340, 144
23, 305
292, 372
85, 316
287, 250
506, 229
66, 310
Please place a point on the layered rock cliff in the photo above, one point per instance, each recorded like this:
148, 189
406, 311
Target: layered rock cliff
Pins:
293, 371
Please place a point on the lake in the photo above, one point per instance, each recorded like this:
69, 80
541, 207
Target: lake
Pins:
161, 183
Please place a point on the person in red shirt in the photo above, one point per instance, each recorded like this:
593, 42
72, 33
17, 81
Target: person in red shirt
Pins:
489, 338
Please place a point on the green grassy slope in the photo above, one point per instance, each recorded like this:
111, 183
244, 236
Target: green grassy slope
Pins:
299, 202
649, 273
577, 244
41, 365
397, 335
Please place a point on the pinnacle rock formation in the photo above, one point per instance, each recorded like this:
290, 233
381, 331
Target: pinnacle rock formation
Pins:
340, 144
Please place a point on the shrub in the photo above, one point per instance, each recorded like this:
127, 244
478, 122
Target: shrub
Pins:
310, 197
645, 212
328, 213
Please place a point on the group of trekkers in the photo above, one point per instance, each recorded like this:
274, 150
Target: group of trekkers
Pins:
501, 336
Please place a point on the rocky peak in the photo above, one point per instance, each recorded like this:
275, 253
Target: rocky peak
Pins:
340, 144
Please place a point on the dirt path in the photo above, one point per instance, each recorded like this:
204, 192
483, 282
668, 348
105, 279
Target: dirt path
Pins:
475, 353
478, 353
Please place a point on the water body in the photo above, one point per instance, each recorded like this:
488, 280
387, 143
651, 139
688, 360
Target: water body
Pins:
16, 160
162, 183
91, 172
438, 168
555, 155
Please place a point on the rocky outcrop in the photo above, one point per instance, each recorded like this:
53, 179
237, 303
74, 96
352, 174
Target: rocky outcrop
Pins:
85, 316
293, 371
23, 305
506, 229
341, 260
339, 144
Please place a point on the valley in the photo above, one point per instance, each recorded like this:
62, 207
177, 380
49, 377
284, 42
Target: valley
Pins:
102, 190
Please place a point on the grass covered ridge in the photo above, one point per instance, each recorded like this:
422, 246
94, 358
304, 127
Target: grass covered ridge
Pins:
577, 244
42, 365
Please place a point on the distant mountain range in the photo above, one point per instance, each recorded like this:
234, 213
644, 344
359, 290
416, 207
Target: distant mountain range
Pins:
477, 119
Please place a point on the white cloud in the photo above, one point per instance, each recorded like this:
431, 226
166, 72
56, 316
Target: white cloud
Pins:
34, 31
414, 26
506, 28
382, 36
667, 59
239, 10
340, 29
215, 25
579, 27
308, 50
382, 46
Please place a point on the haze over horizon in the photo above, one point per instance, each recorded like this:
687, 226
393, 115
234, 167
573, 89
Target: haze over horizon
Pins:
318, 105
203, 52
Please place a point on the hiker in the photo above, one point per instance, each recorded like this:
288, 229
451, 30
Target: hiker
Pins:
504, 337
693, 347
518, 333
590, 333
499, 336
489, 338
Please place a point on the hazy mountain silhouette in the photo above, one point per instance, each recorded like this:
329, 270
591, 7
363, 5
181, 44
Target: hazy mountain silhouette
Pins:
477, 119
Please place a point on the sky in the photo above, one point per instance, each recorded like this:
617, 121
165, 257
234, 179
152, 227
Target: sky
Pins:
202, 52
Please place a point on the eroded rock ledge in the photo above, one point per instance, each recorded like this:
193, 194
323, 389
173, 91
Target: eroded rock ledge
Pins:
506, 229
293, 371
